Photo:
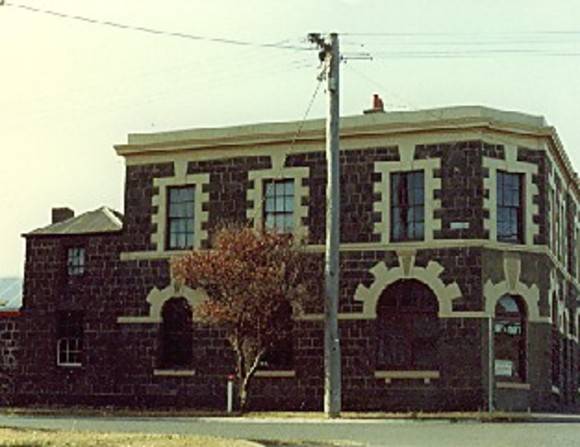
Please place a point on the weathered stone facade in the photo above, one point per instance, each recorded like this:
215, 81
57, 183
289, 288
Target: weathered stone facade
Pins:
460, 260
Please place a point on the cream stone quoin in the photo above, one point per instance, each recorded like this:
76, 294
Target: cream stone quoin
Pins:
181, 178
255, 195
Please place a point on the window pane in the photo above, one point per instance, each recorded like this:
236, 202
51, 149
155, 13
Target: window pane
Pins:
395, 179
419, 214
396, 224
407, 205
269, 221
289, 190
181, 211
289, 203
269, 189
279, 205
288, 222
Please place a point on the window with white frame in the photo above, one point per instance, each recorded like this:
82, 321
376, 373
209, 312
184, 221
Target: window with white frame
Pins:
279, 205
180, 217
75, 261
69, 344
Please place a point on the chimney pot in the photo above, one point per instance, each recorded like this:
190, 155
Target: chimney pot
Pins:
378, 105
61, 214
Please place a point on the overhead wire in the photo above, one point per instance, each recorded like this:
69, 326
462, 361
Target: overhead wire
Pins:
154, 31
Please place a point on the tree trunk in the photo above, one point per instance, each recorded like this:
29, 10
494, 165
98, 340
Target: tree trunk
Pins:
243, 395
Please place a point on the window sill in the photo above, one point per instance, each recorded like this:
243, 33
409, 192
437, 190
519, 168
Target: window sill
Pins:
69, 365
174, 372
513, 385
276, 373
425, 375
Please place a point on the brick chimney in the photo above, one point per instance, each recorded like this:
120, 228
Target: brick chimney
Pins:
60, 214
378, 105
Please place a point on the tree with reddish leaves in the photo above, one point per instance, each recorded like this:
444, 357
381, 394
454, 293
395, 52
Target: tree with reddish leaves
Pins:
251, 277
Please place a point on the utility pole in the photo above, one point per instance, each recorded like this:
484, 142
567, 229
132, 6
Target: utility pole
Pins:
330, 56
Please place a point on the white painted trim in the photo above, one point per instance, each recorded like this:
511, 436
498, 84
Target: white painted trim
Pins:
157, 298
530, 209
174, 372
512, 285
407, 269
180, 178
425, 375
407, 163
513, 385
378, 246
275, 374
278, 172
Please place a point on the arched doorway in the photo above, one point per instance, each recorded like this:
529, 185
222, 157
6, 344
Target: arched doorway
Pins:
408, 327
176, 334
510, 339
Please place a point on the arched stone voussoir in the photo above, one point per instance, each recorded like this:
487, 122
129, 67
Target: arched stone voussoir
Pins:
384, 277
157, 298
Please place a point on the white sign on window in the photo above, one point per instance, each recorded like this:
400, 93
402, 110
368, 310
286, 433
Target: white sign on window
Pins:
504, 368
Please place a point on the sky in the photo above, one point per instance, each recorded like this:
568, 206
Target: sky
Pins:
72, 88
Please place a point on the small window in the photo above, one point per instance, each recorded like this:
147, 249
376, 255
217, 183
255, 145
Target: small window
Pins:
279, 205
510, 339
75, 261
69, 343
180, 218
509, 208
407, 206
176, 334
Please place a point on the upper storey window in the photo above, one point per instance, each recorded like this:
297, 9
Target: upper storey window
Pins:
75, 262
407, 206
279, 205
509, 207
180, 218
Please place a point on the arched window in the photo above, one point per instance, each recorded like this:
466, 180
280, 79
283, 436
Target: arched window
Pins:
176, 334
510, 339
407, 327
280, 355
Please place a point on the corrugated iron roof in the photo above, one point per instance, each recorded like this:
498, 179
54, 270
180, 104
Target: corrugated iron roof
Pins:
101, 220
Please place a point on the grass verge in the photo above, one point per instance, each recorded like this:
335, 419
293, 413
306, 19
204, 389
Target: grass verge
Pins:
10, 437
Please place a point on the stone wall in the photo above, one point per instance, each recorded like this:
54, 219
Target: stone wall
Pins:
9, 344
120, 359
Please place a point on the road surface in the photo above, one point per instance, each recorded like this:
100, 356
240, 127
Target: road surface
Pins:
373, 433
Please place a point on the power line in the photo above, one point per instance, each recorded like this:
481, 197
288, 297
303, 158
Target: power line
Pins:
306, 113
442, 33
450, 54
155, 31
